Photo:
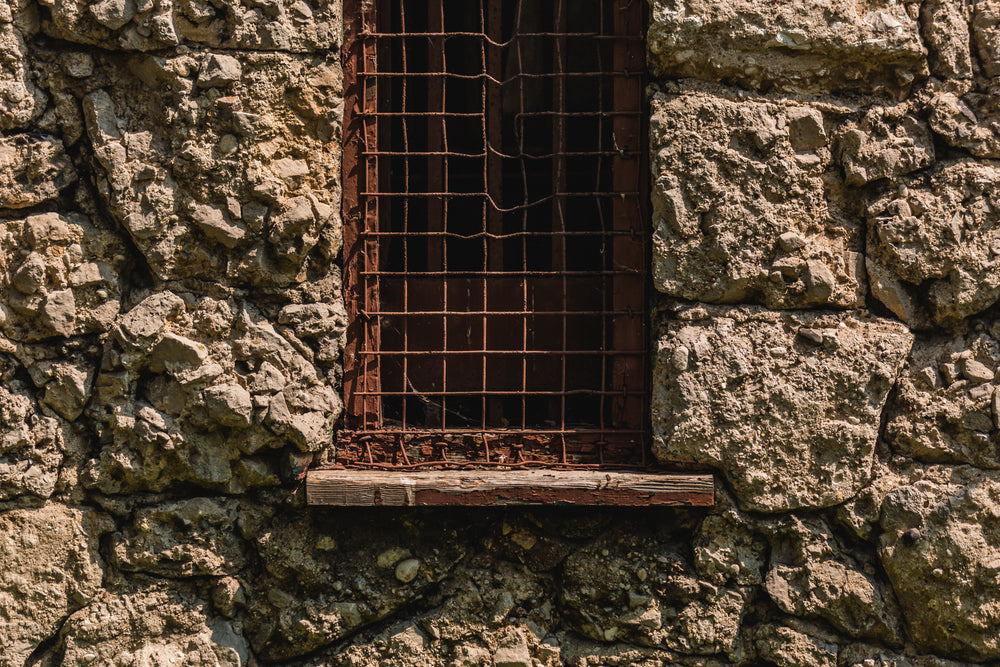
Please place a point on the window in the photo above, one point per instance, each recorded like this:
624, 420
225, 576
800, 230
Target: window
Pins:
495, 238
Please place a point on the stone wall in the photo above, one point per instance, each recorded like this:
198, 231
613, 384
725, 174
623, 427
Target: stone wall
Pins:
827, 244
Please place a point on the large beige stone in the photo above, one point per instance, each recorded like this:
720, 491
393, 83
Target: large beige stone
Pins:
49, 568
785, 405
941, 550
747, 204
236, 181
324, 580
60, 276
125, 25
36, 450
967, 122
813, 575
947, 406
22, 101
938, 230
795, 46
208, 392
33, 170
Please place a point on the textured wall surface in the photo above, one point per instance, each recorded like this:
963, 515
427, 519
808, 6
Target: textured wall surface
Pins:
826, 250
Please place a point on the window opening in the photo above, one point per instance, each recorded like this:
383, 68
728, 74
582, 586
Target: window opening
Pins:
495, 242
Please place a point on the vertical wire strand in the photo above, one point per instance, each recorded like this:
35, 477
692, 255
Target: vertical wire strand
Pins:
405, 380
519, 18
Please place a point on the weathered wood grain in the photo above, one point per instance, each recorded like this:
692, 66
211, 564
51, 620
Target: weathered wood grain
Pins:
507, 487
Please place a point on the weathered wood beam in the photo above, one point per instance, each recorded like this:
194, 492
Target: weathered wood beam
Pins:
507, 487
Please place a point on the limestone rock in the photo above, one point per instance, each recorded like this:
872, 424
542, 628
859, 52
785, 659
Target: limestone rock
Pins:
643, 590
786, 647
158, 625
939, 549
23, 102
946, 28
730, 191
187, 538
321, 580
513, 653
33, 448
789, 423
68, 389
279, 25
941, 233
886, 143
407, 570
944, 412
193, 151
66, 284
229, 404
726, 551
49, 568
173, 400
33, 170
864, 655
799, 46
219, 70
968, 122
811, 575
986, 36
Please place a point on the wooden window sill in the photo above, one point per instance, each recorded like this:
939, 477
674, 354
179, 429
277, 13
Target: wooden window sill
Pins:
508, 487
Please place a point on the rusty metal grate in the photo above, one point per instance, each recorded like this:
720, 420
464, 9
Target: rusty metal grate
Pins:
495, 251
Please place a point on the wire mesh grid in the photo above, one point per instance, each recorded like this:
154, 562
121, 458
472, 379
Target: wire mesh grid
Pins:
495, 248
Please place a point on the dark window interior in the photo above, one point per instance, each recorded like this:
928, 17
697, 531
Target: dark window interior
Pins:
498, 272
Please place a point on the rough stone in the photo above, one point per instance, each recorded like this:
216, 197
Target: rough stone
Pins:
407, 570
172, 404
985, 30
822, 46
68, 389
23, 102
49, 568
209, 201
219, 70
937, 415
940, 551
66, 284
36, 451
279, 25
967, 122
514, 653
939, 233
785, 647
187, 538
679, 610
33, 170
811, 575
789, 425
946, 29
886, 143
157, 625
309, 597
728, 188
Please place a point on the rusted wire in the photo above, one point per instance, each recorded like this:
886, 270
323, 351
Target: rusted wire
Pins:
496, 244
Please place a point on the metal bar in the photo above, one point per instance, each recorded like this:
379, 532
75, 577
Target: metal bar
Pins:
628, 174
437, 162
359, 132
560, 63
